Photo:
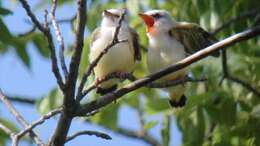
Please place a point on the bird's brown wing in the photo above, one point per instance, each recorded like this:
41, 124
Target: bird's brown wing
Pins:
193, 37
135, 44
95, 34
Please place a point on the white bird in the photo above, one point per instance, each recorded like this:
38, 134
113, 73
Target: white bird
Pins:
170, 42
122, 57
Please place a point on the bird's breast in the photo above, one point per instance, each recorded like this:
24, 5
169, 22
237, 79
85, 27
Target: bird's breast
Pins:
163, 51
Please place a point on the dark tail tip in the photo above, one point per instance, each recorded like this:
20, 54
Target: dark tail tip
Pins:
180, 103
103, 91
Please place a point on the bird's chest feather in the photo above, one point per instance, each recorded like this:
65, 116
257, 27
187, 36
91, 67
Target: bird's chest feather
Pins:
163, 51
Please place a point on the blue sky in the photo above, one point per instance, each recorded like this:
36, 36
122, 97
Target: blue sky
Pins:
16, 79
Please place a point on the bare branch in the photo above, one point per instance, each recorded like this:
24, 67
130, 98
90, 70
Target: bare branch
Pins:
6, 130
31, 30
21, 100
245, 85
128, 76
59, 39
227, 75
171, 83
95, 62
137, 135
234, 19
110, 97
41, 120
70, 106
19, 118
88, 132
45, 30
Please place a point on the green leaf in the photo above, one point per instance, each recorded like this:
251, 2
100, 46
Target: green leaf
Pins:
155, 105
3, 136
107, 117
150, 125
6, 36
256, 111
22, 53
50, 102
41, 44
4, 11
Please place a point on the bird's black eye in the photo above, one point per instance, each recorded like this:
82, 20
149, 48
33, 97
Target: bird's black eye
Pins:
156, 16
117, 16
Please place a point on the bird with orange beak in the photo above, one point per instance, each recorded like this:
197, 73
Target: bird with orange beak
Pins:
170, 42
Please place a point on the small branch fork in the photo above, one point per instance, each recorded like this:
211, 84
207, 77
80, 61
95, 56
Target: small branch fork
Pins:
46, 31
88, 132
59, 38
20, 120
228, 76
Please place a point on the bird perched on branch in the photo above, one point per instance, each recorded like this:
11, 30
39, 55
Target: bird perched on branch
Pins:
170, 42
121, 58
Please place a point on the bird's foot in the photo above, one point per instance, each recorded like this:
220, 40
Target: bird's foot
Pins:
98, 81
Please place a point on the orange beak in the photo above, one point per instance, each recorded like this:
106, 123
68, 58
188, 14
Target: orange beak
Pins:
148, 20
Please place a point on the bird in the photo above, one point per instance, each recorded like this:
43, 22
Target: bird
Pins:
169, 42
120, 58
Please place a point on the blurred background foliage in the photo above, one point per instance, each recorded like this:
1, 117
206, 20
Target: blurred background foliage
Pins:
216, 114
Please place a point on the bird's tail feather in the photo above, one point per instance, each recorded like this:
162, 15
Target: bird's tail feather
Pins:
103, 91
178, 103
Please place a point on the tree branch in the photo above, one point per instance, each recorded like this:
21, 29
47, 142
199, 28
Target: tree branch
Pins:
41, 120
88, 132
70, 106
110, 97
137, 135
232, 78
20, 119
95, 62
59, 38
234, 19
31, 30
6, 130
45, 30
21, 100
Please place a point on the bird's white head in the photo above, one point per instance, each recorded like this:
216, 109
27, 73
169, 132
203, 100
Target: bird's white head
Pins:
157, 21
111, 17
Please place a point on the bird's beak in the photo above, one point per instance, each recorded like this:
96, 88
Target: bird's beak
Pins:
148, 20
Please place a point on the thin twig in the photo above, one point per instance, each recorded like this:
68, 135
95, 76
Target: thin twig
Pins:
20, 119
88, 132
31, 30
6, 130
92, 65
21, 100
137, 135
128, 76
227, 75
110, 97
41, 120
245, 85
46, 31
234, 19
59, 38
70, 106
165, 84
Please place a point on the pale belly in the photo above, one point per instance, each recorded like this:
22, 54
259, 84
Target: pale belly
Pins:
118, 59
158, 59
